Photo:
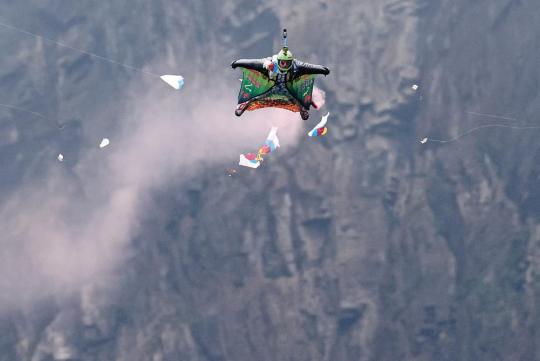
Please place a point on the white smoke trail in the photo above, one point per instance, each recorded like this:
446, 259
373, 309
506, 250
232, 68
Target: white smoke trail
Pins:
63, 231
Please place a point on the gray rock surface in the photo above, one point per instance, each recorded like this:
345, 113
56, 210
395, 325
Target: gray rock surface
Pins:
363, 245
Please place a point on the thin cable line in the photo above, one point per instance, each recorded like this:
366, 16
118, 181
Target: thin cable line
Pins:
26, 32
480, 127
491, 116
13, 107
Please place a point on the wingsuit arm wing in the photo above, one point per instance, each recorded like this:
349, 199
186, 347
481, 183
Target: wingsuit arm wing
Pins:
307, 68
254, 64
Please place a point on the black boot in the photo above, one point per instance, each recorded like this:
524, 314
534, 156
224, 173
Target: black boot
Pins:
240, 109
304, 114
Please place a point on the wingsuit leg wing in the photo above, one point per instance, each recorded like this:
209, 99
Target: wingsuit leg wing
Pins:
255, 83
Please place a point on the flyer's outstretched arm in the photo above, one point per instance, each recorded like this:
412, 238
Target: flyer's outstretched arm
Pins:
307, 68
253, 64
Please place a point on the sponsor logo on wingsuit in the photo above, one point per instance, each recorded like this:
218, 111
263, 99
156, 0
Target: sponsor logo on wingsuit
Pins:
252, 78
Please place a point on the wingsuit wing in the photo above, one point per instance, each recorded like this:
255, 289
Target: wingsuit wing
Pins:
254, 81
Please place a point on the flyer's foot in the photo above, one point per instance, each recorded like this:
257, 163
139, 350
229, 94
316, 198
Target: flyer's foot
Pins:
240, 109
304, 114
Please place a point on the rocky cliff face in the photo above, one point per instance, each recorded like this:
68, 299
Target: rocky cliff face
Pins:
364, 245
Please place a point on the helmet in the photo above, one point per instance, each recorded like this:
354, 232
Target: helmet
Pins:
284, 59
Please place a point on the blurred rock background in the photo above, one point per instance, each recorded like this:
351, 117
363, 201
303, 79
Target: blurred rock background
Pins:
363, 245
